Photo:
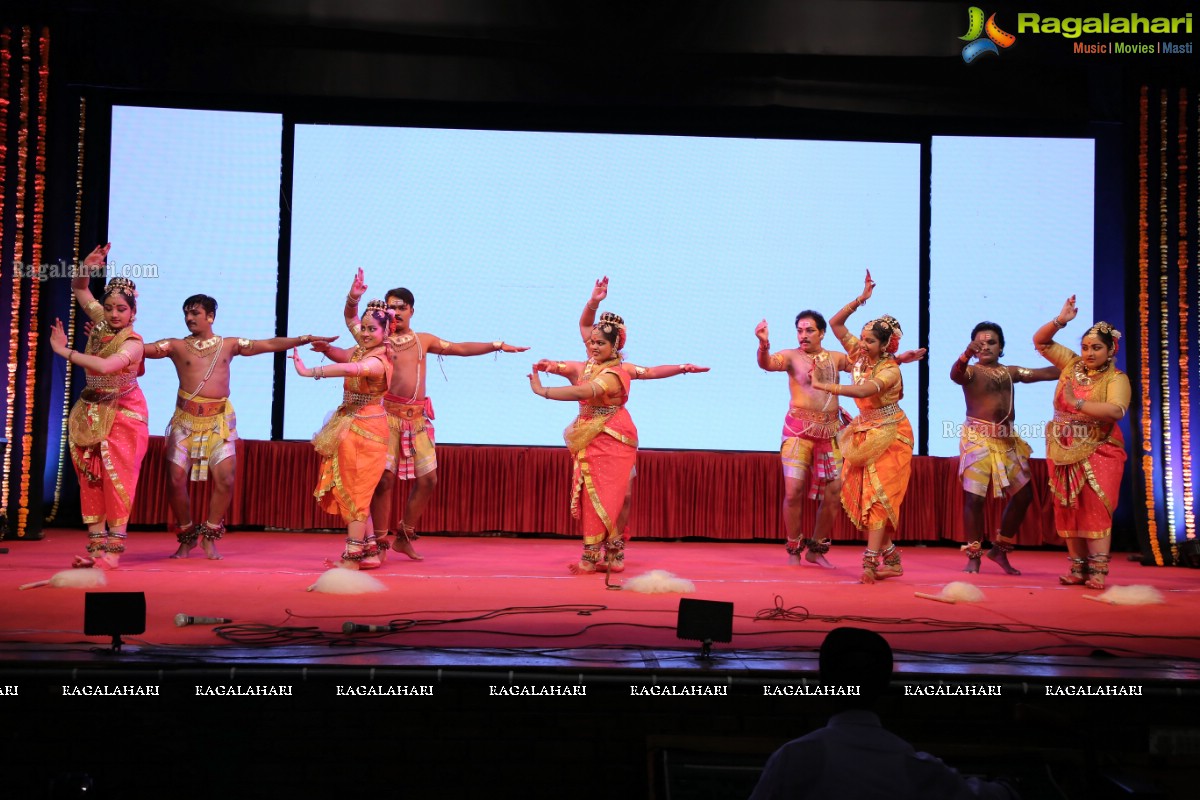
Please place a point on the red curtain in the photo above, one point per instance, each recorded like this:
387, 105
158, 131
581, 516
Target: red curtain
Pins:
718, 495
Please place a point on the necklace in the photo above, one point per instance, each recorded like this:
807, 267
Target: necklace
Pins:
404, 341
199, 346
1085, 376
997, 374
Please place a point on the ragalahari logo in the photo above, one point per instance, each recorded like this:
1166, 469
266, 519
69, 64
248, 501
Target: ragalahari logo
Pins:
976, 29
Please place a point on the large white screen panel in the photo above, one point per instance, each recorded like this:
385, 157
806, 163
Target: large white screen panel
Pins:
501, 234
196, 193
1011, 238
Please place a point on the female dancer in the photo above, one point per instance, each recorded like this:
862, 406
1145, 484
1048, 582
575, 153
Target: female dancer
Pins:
602, 439
1083, 444
108, 426
354, 443
877, 445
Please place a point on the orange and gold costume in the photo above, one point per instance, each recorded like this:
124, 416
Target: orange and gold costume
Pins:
876, 448
603, 443
354, 444
108, 432
1087, 455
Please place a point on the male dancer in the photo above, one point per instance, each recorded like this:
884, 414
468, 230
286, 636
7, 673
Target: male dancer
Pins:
990, 451
201, 435
809, 450
410, 412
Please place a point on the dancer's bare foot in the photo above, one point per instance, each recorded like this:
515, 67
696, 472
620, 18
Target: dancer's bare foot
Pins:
868, 576
1000, 556
107, 561
973, 551
403, 545
342, 563
83, 562
385, 543
184, 550
819, 559
582, 568
187, 541
210, 549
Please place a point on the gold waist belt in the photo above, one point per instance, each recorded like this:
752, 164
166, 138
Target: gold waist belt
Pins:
809, 415
110, 383
210, 408
357, 399
891, 409
597, 411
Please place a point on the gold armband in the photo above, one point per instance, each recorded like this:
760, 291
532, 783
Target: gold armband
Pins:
640, 371
245, 344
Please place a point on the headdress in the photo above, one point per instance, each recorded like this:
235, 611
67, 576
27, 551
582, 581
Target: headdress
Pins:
890, 324
121, 286
610, 322
376, 305
1106, 329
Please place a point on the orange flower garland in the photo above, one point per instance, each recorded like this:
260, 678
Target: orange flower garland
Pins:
1144, 320
66, 409
39, 207
11, 386
1185, 391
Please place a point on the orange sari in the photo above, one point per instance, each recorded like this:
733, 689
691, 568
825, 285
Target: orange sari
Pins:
876, 448
354, 445
603, 444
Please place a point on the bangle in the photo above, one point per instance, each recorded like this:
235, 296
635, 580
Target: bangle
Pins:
836, 389
351, 300
1078, 403
683, 369
591, 307
305, 339
69, 354
1058, 323
496, 345
317, 374
764, 346
964, 358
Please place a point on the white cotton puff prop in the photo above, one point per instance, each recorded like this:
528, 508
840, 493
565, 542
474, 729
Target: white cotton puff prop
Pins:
956, 592
72, 579
963, 592
1138, 595
347, 581
659, 581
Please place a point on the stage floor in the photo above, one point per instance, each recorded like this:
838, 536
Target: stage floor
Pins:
501, 602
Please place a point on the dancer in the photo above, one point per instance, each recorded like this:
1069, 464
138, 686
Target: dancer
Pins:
602, 439
108, 430
201, 435
355, 443
990, 450
877, 445
410, 410
809, 448
1084, 444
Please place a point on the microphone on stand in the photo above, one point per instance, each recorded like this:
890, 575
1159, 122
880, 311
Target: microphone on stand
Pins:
354, 627
183, 620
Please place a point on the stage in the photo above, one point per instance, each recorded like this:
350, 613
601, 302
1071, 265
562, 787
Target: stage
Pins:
506, 600
499, 655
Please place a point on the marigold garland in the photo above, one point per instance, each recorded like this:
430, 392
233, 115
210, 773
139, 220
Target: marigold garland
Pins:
66, 406
1144, 319
10, 387
1164, 321
39, 208
1185, 391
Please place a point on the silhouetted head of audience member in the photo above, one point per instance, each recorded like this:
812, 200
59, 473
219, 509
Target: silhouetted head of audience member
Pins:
856, 657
